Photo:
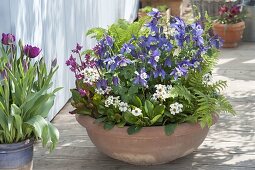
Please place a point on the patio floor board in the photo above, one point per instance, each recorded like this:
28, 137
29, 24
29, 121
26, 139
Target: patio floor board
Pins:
230, 143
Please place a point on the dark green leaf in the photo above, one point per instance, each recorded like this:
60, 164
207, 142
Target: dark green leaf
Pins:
133, 129
108, 125
169, 129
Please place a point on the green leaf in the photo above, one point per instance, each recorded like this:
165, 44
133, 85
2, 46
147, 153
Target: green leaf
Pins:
108, 125
76, 96
148, 107
137, 102
54, 136
159, 109
130, 118
155, 119
169, 129
133, 129
101, 119
38, 123
97, 33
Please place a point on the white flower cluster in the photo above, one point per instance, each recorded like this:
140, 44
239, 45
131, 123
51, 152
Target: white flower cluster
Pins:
137, 112
176, 108
162, 92
207, 79
91, 75
102, 92
123, 107
112, 101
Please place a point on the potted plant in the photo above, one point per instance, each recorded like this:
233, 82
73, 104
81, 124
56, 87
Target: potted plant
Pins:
145, 94
230, 25
165, 11
25, 100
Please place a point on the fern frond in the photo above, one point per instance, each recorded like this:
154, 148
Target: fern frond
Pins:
182, 92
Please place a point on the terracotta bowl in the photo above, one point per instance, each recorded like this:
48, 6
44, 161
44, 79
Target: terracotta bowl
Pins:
231, 33
150, 146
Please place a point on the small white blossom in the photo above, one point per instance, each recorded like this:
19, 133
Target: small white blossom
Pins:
91, 75
196, 64
116, 101
176, 108
207, 79
156, 58
123, 107
108, 89
109, 101
162, 92
100, 91
136, 112
177, 51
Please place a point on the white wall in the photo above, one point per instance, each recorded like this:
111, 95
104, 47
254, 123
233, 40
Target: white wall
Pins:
56, 26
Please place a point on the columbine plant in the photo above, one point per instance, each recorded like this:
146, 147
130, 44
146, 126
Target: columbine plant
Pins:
148, 74
231, 14
25, 94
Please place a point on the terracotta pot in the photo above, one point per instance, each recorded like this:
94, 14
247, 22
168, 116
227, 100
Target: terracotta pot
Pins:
150, 146
231, 33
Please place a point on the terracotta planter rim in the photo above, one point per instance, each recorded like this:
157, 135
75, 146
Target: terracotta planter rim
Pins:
181, 129
229, 25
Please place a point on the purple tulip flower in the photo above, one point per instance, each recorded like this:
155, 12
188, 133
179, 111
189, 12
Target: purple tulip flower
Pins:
31, 52
8, 39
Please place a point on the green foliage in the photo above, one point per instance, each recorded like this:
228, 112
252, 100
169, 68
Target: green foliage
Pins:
26, 97
169, 129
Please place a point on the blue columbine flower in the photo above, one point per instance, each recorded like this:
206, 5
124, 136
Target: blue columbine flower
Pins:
154, 58
102, 83
216, 41
178, 24
115, 80
127, 49
122, 61
152, 25
154, 13
141, 77
165, 44
111, 63
168, 62
109, 40
178, 72
159, 72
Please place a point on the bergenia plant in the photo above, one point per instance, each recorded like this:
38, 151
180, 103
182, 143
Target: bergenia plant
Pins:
147, 73
26, 96
231, 13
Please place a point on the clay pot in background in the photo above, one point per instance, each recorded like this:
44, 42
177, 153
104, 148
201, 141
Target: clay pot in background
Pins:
230, 33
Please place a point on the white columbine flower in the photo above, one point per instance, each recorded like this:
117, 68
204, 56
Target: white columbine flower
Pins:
176, 108
136, 112
207, 79
123, 107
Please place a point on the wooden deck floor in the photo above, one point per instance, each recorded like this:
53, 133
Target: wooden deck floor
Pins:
229, 145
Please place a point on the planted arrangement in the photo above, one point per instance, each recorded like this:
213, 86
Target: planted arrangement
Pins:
26, 98
149, 74
230, 24
149, 83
